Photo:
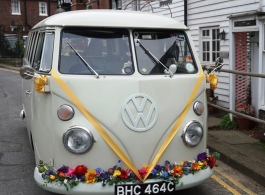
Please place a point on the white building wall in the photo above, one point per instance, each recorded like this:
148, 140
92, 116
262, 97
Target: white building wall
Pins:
207, 13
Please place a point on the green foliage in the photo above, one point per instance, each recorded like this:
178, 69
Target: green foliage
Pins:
19, 48
216, 155
227, 124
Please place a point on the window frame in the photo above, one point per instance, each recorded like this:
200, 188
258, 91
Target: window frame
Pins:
210, 39
17, 7
43, 8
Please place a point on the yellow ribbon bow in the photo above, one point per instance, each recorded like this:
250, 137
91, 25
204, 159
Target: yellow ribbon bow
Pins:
212, 79
39, 83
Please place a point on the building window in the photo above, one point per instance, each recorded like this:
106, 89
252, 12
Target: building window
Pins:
43, 8
210, 44
15, 5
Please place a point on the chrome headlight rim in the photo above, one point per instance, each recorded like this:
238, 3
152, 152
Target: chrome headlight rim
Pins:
70, 108
186, 128
195, 105
85, 130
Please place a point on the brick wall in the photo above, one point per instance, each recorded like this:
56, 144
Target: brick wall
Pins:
81, 5
27, 20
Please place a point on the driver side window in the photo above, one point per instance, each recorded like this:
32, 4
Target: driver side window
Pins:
38, 51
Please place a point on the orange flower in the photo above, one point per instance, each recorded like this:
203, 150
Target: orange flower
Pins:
196, 166
91, 176
61, 174
177, 171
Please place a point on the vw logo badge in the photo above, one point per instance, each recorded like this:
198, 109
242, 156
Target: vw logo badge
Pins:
139, 112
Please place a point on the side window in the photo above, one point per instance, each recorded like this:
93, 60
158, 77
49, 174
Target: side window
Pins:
47, 54
38, 51
32, 46
27, 46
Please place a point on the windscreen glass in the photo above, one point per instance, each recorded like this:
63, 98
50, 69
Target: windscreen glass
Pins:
95, 51
163, 52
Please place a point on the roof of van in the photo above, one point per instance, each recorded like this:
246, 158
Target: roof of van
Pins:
111, 18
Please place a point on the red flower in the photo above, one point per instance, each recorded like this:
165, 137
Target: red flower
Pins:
143, 171
124, 174
80, 170
211, 161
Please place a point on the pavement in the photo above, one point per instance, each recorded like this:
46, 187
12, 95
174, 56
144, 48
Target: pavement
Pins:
237, 149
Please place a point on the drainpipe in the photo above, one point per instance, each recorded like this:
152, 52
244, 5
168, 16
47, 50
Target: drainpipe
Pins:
26, 18
49, 7
185, 12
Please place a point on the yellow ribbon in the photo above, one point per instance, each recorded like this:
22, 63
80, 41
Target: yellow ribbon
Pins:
40, 82
177, 124
95, 123
108, 139
212, 79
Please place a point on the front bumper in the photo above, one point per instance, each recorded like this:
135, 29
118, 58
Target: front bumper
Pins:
187, 181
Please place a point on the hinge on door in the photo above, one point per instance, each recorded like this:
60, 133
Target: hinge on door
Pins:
47, 88
51, 162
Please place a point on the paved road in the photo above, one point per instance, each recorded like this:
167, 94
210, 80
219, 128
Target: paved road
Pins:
17, 159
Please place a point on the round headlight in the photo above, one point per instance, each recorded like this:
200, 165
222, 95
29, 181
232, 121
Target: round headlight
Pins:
78, 140
65, 112
198, 108
192, 133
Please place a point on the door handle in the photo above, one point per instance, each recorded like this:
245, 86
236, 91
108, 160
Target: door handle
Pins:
28, 92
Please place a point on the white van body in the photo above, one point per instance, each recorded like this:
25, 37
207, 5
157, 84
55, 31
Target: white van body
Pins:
126, 104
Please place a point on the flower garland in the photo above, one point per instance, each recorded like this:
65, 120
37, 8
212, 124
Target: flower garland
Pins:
70, 177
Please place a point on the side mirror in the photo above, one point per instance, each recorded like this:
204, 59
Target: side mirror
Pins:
27, 72
172, 68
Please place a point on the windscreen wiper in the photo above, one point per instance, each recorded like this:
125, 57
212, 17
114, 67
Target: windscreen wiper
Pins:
154, 59
88, 66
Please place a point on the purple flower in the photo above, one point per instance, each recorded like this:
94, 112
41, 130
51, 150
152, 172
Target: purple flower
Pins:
63, 169
132, 175
83, 178
50, 172
167, 162
106, 176
158, 167
202, 156
119, 162
74, 177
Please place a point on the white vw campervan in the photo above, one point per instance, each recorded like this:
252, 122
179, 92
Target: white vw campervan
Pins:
114, 103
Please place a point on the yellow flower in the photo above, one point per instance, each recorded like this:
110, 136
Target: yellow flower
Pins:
116, 173
52, 177
200, 163
181, 163
91, 176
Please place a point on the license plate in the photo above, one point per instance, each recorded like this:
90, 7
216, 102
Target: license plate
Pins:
145, 189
